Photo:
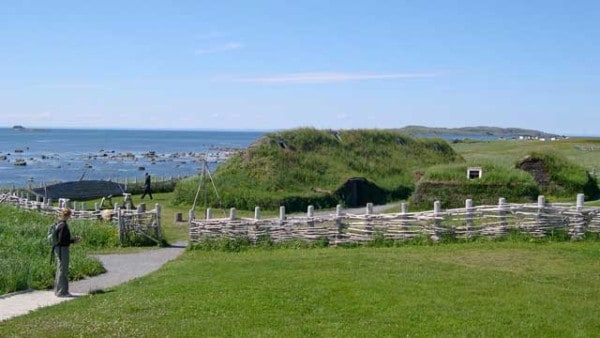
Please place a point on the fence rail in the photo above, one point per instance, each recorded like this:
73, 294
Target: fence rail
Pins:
130, 221
537, 220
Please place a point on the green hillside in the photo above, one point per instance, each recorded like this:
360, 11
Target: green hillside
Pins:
300, 167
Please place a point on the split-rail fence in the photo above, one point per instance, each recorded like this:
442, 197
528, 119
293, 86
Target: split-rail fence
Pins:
536, 219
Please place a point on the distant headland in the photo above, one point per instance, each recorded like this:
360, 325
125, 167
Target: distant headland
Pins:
422, 131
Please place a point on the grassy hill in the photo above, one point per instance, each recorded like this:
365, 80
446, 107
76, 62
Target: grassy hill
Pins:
300, 167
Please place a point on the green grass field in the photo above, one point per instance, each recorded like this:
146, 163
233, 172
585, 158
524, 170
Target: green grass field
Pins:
476, 289
583, 151
511, 288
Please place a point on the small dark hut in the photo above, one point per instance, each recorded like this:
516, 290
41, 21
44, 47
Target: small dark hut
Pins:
80, 190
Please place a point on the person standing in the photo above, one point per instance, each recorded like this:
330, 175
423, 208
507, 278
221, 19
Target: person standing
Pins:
147, 186
61, 251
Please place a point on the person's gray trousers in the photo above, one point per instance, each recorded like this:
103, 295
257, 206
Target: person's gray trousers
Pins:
61, 282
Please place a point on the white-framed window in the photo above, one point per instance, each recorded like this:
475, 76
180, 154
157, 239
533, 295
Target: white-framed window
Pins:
474, 172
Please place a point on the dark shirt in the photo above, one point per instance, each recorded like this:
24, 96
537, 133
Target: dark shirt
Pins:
64, 234
147, 181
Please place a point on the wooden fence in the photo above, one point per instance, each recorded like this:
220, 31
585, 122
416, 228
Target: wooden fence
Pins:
537, 219
131, 222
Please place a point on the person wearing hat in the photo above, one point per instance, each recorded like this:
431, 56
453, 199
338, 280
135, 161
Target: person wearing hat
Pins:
61, 251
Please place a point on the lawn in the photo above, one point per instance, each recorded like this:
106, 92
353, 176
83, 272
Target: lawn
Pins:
512, 288
583, 151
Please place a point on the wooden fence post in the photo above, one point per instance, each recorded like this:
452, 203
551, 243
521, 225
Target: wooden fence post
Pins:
158, 221
282, 213
209, 213
369, 228
232, 214
502, 213
310, 213
437, 211
577, 228
403, 216
256, 213
539, 218
369, 210
121, 224
580, 201
469, 217
338, 223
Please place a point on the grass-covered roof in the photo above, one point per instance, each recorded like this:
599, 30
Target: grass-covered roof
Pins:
308, 166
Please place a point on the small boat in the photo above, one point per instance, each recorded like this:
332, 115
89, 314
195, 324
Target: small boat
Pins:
20, 162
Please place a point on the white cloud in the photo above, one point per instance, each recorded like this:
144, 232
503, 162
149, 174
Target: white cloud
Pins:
327, 77
225, 47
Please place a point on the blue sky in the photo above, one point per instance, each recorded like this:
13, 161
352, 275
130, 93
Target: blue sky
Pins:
282, 64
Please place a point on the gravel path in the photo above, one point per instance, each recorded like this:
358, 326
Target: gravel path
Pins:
120, 268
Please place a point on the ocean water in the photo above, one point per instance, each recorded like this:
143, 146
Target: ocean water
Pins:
60, 155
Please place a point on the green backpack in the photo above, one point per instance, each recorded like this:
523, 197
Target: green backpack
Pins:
52, 235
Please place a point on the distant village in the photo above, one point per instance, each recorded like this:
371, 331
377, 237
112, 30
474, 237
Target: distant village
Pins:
539, 138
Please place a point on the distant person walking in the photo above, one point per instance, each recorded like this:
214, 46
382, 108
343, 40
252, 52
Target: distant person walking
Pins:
147, 186
61, 251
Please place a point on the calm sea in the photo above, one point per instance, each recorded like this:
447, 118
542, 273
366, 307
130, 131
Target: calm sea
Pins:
59, 155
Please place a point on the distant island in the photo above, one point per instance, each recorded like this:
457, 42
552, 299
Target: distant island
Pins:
19, 127
422, 131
